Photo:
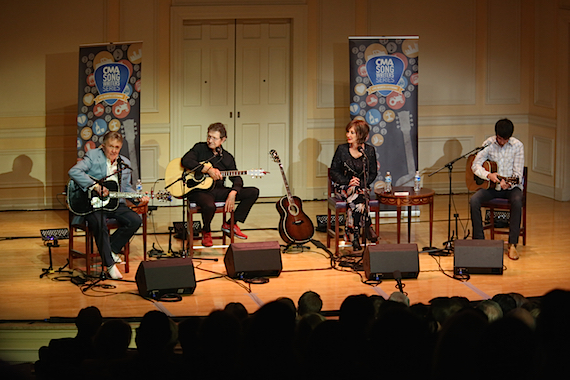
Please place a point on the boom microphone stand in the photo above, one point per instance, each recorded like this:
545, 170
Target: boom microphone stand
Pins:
448, 245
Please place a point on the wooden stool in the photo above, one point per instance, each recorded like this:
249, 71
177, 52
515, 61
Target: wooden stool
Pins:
220, 208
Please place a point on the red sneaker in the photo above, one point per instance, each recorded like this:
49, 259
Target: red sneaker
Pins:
207, 239
237, 231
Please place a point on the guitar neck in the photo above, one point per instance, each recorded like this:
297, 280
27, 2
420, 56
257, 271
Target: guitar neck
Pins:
233, 173
119, 194
289, 196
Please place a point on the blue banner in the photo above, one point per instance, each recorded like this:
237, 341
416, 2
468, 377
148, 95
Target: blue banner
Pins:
109, 98
384, 92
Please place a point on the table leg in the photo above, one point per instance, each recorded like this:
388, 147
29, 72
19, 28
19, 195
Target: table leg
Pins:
409, 222
398, 215
430, 221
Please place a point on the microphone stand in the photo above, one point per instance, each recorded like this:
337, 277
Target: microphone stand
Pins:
448, 245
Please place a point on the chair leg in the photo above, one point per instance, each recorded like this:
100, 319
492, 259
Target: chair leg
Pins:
336, 233
126, 252
492, 221
190, 234
329, 228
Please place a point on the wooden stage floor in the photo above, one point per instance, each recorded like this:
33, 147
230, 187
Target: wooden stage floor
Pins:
543, 266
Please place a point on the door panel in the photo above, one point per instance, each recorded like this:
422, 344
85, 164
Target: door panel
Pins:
262, 98
238, 73
208, 79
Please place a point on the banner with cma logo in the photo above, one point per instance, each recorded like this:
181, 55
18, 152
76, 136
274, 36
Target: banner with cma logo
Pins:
384, 92
109, 97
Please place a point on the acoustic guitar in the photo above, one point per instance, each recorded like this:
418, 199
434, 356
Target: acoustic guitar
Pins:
475, 182
295, 227
180, 181
82, 202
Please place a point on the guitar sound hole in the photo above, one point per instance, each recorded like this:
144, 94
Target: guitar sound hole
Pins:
293, 210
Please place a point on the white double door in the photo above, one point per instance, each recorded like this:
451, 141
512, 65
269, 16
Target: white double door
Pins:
238, 73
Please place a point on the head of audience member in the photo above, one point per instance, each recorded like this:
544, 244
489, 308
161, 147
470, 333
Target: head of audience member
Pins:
519, 299
88, 321
356, 315
524, 316
309, 302
491, 309
157, 334
237, 310
511, 340
399, 297
113, 339
188, 336
506, 301
289, 302
399, 337
458, 343
444, 307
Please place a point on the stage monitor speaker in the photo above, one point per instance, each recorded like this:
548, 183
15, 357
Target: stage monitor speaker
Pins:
250, 260
159, 277
382, 260
478, 257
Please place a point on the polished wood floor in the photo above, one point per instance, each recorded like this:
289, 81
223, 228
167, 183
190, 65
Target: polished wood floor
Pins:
544, 265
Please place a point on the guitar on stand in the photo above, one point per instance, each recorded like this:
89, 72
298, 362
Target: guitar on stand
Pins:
295, 227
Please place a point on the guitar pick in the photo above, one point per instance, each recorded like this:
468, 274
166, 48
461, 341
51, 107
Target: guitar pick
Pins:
385, 72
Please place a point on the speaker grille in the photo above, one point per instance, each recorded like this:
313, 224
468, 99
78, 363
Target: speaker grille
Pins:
156, 278
478, 256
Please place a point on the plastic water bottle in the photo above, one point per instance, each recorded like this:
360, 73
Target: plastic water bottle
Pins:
417, 182
388, 181
139, 186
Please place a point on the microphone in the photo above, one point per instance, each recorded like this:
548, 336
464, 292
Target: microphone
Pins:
361, 149
122, 163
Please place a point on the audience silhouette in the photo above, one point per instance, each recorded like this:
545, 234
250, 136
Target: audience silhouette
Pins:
508, 336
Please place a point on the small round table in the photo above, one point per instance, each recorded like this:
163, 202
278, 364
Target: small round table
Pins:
406, 196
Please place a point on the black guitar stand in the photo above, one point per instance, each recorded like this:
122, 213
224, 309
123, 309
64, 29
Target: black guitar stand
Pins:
294, 247
448, 248
50, 270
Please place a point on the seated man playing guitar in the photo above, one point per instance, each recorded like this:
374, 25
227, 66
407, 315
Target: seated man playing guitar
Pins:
508, 153
105, 164
210, 158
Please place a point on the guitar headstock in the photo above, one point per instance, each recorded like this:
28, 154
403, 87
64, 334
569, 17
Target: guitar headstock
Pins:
275, 156
257, 173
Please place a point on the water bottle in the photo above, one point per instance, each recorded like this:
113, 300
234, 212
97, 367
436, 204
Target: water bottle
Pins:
388, 181
417, 182
139, 186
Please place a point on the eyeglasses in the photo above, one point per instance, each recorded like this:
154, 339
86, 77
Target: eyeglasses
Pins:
213, 138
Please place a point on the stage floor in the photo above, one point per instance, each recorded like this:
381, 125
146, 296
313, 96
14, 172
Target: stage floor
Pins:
542, 267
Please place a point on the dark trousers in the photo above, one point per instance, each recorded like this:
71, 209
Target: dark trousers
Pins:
129, 222
206, 200
483, 195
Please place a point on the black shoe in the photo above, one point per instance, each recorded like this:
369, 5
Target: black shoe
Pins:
371, 235
356, 245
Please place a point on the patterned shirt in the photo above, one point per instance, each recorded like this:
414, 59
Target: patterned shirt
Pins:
509, 159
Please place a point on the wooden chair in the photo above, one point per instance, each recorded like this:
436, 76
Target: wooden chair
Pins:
89, 254
339, 207
192, 208
504, 204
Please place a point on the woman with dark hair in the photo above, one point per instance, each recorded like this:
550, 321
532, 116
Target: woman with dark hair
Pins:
353, 169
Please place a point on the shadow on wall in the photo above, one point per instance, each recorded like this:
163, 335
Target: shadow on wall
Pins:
309, 149
18, 189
